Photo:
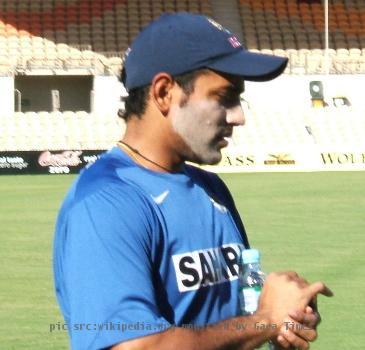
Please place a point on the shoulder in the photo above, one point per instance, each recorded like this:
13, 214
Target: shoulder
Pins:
102, 189
99, 175
102, 176
112, 214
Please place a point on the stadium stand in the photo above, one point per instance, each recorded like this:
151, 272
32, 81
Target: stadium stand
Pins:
59, 131
93, 34
298, 27
89, 37
272, 130
67, 33
292, 24
46, 37
337, 130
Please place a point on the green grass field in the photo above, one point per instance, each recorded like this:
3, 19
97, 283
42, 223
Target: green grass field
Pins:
313, 223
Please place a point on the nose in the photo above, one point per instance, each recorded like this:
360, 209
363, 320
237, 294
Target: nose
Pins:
235, 116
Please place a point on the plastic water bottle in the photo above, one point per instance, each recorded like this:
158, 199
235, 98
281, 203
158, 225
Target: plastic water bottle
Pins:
250, 284
250, 281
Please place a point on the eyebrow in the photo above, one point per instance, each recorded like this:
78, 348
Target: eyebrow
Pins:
231, 89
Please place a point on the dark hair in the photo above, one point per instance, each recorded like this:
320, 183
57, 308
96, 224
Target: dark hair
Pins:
136, 102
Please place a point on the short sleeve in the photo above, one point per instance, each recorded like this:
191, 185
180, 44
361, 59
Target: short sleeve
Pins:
103, 264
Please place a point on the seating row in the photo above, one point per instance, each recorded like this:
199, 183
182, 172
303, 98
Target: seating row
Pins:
289, 24
265, 129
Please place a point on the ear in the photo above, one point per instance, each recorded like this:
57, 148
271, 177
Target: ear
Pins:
161, 91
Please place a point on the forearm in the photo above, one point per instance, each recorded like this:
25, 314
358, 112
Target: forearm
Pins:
282, 293
241, 333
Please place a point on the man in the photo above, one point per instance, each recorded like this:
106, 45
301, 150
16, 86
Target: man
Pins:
146, 246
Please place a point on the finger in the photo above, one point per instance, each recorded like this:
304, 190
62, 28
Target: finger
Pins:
309, 310
306, 333
319, 318
283, 342
319, 287
294, 340
310, 320
313, 304
294, 275
305, 319
304, 329
290, 274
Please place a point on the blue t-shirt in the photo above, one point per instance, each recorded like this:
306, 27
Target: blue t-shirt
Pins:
138, 251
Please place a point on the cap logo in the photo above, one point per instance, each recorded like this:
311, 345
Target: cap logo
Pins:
234, 42
217, 25
127, 52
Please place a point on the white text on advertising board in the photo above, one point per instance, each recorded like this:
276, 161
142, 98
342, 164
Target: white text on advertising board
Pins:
66, 158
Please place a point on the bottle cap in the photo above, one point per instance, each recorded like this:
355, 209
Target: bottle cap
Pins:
250, 256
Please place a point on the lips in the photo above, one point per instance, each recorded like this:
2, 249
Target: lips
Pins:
222, 137
223, 142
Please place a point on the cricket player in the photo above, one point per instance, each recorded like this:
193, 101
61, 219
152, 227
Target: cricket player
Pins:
147, 247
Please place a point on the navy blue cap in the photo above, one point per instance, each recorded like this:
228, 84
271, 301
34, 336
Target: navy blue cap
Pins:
182, 42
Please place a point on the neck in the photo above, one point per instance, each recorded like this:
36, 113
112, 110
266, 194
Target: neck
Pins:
145, 151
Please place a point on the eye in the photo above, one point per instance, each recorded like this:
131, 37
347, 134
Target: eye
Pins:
228, 101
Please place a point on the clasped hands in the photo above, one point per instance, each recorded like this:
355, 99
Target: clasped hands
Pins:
290, 302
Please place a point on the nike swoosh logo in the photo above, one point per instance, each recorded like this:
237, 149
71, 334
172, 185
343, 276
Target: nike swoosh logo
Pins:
220, 207
161, 197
